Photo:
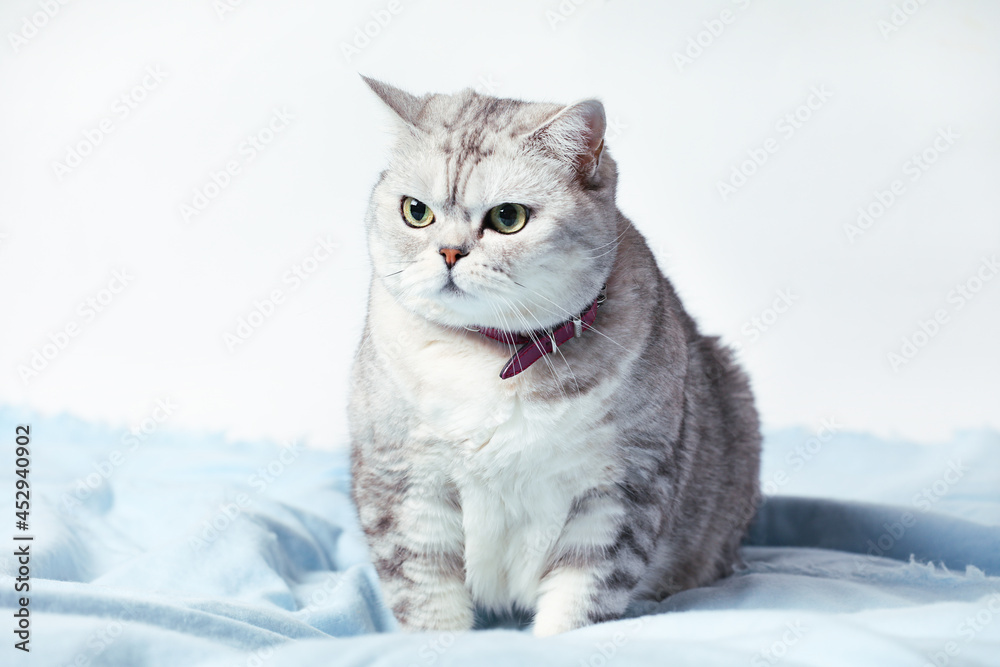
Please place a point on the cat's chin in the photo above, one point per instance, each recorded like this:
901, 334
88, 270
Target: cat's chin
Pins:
453, 308
466, 311
452, 290
457, 304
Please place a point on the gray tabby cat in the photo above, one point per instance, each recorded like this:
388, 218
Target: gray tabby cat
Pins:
619, 467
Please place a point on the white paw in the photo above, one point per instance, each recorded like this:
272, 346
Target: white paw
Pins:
563, 603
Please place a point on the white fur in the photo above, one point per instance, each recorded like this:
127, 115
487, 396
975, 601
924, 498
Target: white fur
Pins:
520, 464
563, 608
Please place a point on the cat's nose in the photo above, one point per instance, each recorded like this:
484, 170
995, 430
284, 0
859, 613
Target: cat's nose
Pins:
451, 255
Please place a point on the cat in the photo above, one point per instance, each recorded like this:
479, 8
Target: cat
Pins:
493, 466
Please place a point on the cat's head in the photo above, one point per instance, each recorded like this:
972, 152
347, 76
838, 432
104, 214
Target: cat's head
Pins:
493, 212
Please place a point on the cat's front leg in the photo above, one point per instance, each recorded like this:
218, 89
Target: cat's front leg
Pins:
416, 540
597, 563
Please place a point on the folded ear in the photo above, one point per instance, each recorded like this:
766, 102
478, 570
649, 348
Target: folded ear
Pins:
405, 105
576, 134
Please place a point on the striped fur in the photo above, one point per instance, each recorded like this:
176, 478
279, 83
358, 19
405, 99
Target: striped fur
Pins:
624, 467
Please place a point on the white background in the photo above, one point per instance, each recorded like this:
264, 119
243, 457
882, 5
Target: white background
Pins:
678, 129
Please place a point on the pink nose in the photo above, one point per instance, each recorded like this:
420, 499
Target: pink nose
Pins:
451, 255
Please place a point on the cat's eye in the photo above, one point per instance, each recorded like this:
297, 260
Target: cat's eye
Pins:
508, 218
416, 213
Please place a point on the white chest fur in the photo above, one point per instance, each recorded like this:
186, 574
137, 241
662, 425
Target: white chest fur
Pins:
517, 464
516, 491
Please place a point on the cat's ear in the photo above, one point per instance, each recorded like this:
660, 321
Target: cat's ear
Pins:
576, 134
405, 105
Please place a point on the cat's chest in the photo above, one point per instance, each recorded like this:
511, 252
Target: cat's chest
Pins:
517, 463
460, 399
516, 492
499, 436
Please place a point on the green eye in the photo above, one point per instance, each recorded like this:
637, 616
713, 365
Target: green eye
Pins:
416, 213
508, 218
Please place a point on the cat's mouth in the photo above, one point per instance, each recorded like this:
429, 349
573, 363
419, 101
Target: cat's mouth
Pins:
451, 288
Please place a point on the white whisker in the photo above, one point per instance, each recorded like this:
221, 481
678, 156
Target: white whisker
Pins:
556, 348
534, 339
565, 313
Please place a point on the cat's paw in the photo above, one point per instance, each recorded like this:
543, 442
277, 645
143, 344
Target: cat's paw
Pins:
563, 605
547, 626
429, 622
572, 599
450, 609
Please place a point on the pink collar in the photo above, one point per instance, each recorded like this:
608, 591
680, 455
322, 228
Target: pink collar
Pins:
539, 343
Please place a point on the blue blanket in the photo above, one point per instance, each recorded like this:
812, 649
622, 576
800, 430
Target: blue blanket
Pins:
173, 549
